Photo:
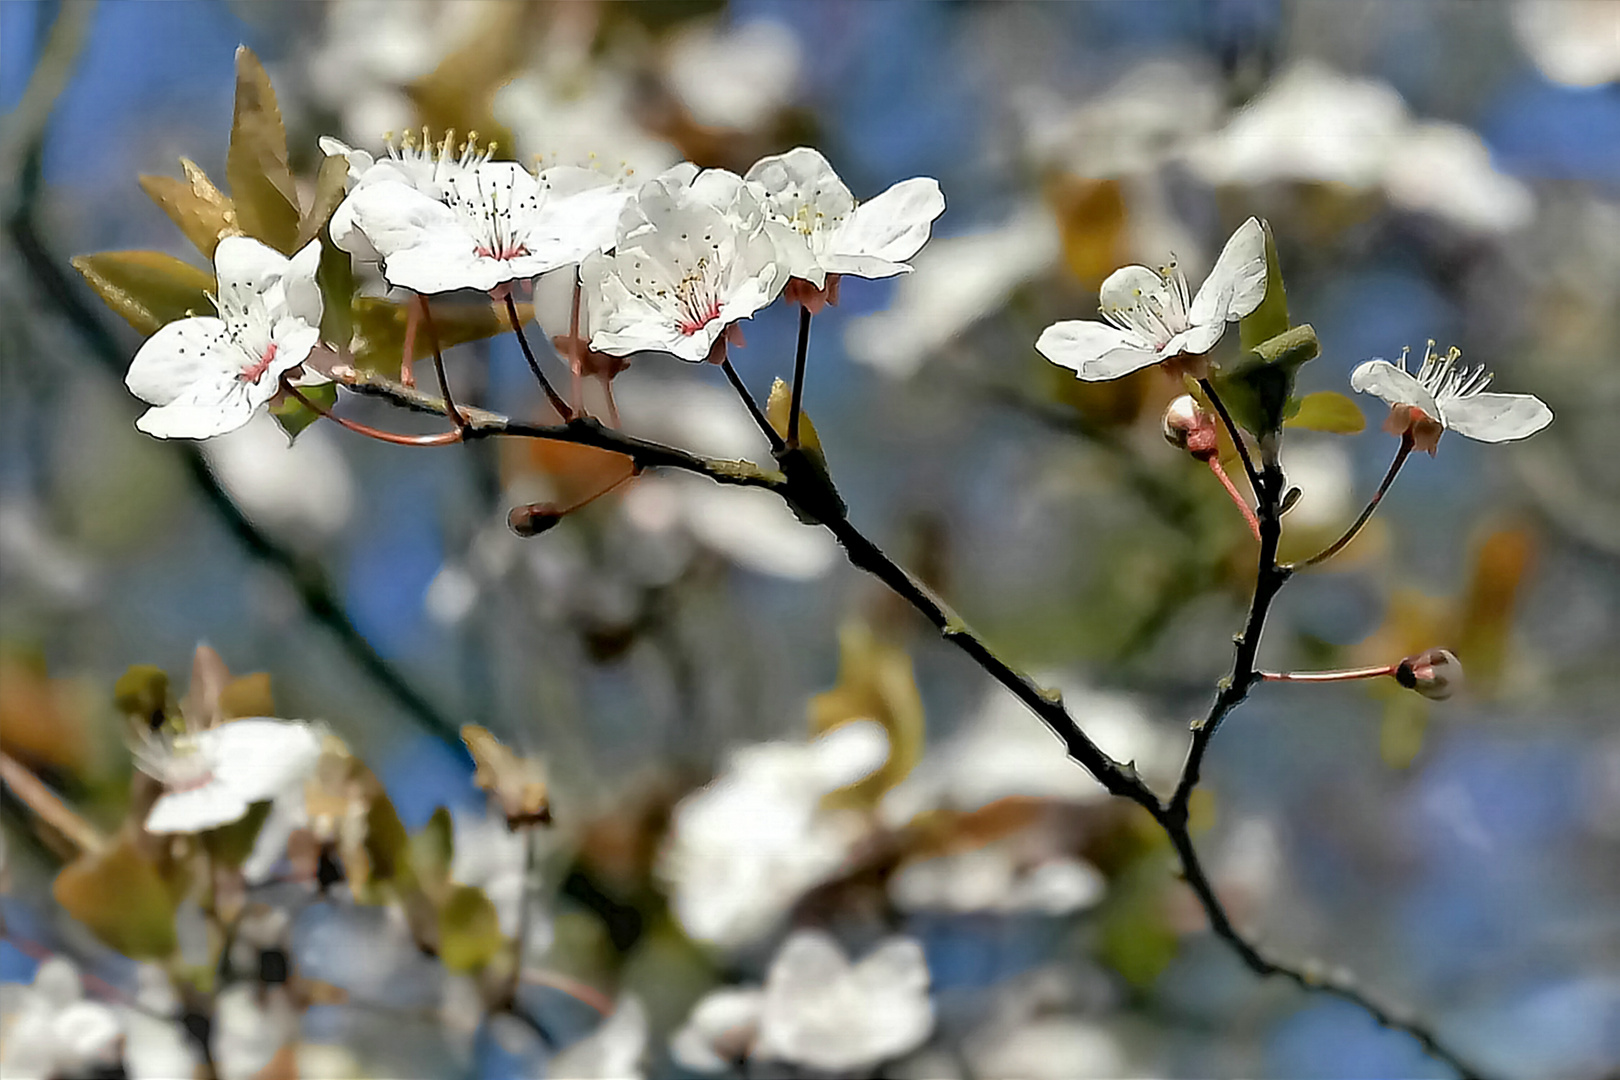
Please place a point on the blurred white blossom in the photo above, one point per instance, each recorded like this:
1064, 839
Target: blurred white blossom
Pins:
301, 488
1576, 42
733, 77
612, 1052
995, 878
49, 1029
211, 777
957, 281
745, 847
1443, 396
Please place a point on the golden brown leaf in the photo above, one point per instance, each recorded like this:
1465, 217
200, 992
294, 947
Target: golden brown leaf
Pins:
262, 188
200, 209
518, 783
148, 288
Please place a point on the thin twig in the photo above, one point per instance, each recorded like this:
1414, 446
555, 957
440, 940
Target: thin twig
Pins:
1340, 675
799, 358
534, 365
753, 406
1355, 528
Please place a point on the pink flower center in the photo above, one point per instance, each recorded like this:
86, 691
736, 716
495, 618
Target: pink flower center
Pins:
255, 370
697, 298
511, 249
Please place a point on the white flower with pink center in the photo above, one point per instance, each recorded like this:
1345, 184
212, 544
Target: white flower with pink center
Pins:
482, 224
418, 163
821, 230
207, 375
211, 777
692, 259
1149, 316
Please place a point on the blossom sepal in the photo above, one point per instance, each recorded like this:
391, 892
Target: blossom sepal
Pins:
1258, 390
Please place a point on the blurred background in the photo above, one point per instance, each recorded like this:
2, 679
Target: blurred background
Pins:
1431, 170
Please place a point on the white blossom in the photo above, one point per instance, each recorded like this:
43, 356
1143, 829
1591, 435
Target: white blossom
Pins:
733, 77
820, 230
480, 224
692, 259
418, 163
822, 1012
1445, 396
1150, 318
959, 280
612, 1052
206, 375
211, 777
49, 1029
1575, 42
816, 1010
996, 878
744, 848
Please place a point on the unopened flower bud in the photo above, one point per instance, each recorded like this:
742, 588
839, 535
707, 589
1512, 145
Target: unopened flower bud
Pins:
1189, 426
1436, 674
533, 519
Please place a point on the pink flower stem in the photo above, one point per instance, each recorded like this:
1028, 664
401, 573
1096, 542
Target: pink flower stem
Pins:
442, 439
552, 396
1237, 496
456, 415
1341, 675
1366, 515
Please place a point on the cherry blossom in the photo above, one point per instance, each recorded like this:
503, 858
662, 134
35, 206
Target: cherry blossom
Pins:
207, 375
820, 230
51, 1029
692, 259
211, 777
1445, 396
1150, 318
479, 224
419, 163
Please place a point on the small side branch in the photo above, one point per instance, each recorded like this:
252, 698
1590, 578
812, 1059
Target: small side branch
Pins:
534, 365
799, 359
1234, 431
753, 406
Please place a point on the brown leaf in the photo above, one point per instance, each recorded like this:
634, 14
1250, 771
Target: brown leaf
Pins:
329, 191
123, 898
518, 783
459, 94
875, 682
262, 187
379, 329
201, 210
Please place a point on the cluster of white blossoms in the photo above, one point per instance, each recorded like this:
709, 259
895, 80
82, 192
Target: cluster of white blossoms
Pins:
670, 265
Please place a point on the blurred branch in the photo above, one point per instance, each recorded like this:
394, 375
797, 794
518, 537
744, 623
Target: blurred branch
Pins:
307, 576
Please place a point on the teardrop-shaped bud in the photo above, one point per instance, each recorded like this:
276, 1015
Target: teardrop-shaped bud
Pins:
1436, 673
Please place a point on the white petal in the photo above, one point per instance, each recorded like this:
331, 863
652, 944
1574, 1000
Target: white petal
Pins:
891, 227
1196, 340
245, 265
1237, 283
1495, 417
303, 294
802, 173
1393, 384
721, 1028
1093, 350
257, 759
849, 752
205, 807
179, 355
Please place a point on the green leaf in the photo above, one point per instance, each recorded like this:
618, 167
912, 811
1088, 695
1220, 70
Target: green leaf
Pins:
1326, 411
469, 930
201, 210
262, 187
232, 844
432, 851
1271, 317
387, 845
379, 329
122, 897
148, 288
335, 276
329, 191
1258, 388
294, 416
142, 691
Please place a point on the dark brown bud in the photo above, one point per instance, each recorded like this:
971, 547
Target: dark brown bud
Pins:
1189, 426
533, 519
1436, 674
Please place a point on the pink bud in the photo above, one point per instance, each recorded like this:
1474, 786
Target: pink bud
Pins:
1436, 674
1189, 426
533, 519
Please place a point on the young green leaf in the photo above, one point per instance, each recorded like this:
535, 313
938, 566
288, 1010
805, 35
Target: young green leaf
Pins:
294, 416
379, 329
1328, 411
148, 288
